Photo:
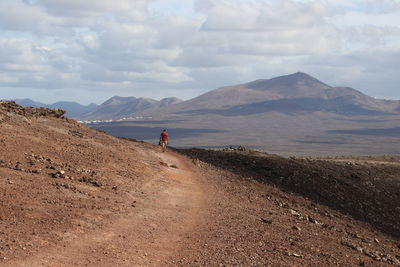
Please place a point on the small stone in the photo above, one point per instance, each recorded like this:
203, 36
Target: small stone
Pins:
376, 240
267, 221
296, 228
10, 182
297, 255
312, 220
114, 188
294, 213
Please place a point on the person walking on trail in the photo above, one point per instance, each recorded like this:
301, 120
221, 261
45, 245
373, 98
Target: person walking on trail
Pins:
164, 140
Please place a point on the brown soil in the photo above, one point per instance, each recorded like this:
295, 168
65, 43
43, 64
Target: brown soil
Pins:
72, 196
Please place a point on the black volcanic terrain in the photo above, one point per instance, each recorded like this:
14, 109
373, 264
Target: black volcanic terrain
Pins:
292, 114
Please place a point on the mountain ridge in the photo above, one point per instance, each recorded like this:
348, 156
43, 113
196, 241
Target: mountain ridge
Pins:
299, 90
73, 109
118, 107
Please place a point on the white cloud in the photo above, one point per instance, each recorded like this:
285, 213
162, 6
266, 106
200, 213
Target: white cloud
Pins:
130, 46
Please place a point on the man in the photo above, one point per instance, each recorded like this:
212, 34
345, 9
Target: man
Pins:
164, 140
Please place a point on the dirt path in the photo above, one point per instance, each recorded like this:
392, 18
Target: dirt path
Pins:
171, 205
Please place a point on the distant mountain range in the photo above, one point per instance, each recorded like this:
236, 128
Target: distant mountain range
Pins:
293, 93
115, 107
74, 110
293, 114
119, 107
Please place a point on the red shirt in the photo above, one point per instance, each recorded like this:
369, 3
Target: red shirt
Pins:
164, 137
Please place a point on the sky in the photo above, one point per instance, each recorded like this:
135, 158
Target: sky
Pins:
88, 51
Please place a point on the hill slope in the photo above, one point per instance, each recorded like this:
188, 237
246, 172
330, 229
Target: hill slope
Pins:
72, 196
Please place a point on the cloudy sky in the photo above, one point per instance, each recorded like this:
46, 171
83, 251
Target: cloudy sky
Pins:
90, 50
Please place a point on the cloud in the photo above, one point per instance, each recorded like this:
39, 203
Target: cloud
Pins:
20, 17
126, 9
130, 46
371, 35
382, 6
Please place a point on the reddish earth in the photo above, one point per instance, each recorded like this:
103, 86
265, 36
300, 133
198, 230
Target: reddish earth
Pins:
72, 196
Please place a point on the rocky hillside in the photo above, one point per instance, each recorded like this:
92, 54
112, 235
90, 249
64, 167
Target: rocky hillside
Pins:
73, 196
59, 179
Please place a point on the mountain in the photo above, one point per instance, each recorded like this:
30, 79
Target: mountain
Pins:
291, 114
72, 109
169, 101
119, 107
26, 102
297, 92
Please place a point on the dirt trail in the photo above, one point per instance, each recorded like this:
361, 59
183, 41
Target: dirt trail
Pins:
172, 204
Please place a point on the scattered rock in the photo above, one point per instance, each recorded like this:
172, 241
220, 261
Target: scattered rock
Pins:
312, 220
375, 255
90, 181
196, 162
232, 148
297, 255
348, 244
294, 213
293, 254
18, 166
296, 228
59, 174
267, 221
